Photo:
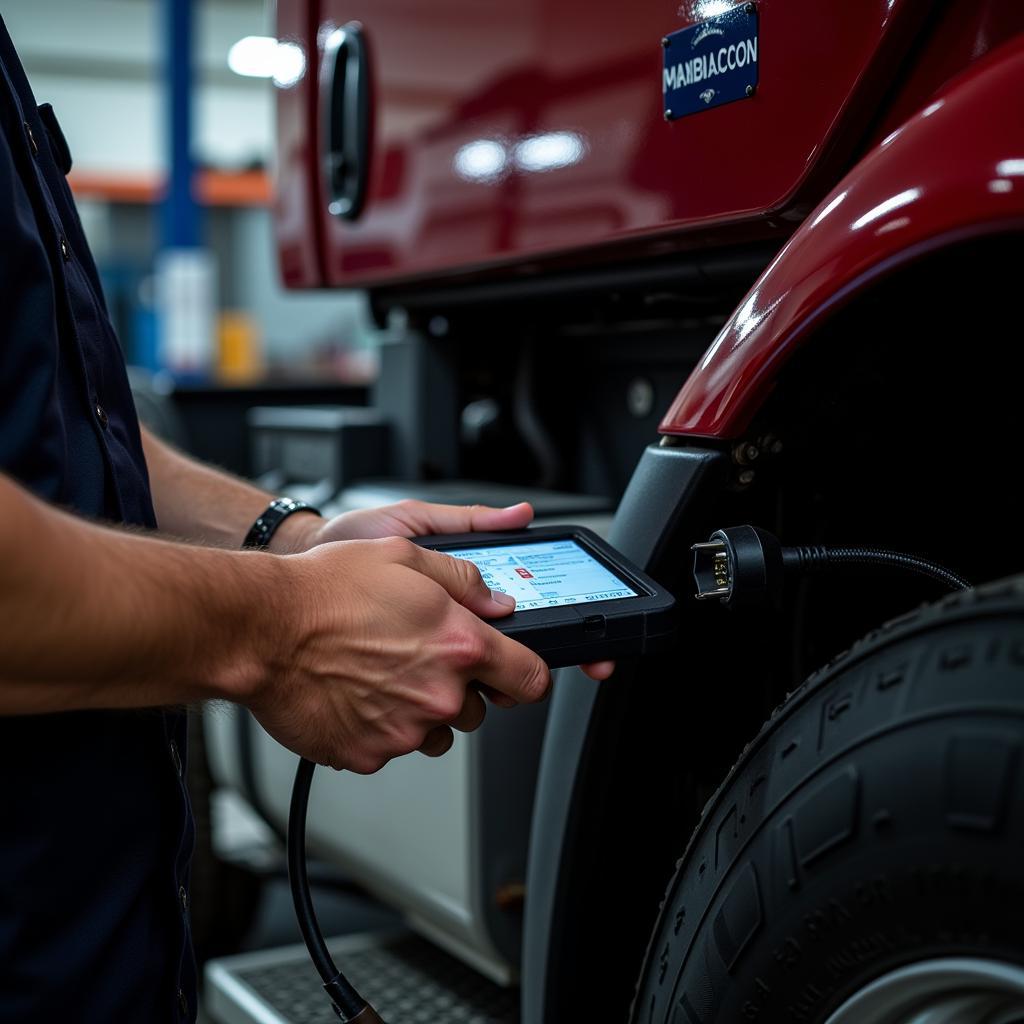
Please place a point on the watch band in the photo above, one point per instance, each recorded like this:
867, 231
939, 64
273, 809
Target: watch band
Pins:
273, 516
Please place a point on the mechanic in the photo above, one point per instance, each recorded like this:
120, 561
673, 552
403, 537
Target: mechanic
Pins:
348, 653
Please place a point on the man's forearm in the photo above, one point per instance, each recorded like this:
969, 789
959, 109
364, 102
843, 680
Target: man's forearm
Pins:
98, 617
208, 506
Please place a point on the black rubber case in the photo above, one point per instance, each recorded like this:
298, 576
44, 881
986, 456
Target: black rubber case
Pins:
579, 633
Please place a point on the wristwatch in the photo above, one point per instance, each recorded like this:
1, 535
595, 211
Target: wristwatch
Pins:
272, 517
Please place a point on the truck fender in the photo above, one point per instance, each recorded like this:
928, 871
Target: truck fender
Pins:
954, 170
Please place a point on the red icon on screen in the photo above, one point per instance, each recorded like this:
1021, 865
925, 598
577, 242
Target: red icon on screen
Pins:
525, 573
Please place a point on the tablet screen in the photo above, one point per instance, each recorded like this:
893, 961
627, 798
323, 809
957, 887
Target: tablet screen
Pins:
542, 574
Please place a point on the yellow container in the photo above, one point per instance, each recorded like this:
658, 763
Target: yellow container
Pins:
239, 348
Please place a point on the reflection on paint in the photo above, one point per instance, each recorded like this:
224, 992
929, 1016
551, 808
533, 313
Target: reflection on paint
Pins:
482, 160
704, 9
1008, 168
826, 210
887, 206
549, 151
894, 225
487, 160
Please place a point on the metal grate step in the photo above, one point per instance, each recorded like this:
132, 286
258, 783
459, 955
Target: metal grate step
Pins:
408, 981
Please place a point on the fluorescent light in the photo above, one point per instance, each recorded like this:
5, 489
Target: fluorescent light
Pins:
265, 57
253, 56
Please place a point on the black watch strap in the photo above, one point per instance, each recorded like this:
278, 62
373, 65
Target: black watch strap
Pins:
274, 515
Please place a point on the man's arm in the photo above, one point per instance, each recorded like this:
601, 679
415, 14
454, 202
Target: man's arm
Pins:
350, 654
92, 616
208, 506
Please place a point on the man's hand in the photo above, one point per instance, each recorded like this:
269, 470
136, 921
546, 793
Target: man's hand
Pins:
377, 645
410, 519
404, 519
204, 505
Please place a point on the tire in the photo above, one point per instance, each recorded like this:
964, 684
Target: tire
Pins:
876, 821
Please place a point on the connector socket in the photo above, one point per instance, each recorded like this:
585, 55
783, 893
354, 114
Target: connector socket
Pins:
712, 570
741, 566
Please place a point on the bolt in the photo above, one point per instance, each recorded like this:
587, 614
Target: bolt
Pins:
745, 452
776, 447
666, 42
749, 8
668, 115
750, 90
746, 477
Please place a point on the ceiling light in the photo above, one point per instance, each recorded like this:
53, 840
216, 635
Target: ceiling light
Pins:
265, 57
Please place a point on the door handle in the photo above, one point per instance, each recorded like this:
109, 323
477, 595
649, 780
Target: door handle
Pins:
345, 103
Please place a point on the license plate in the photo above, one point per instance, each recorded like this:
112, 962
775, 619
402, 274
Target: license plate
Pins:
711, 63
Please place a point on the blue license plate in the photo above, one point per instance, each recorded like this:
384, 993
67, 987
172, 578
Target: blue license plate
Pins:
711, 63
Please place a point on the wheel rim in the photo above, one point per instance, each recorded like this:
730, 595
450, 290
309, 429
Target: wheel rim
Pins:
947, 991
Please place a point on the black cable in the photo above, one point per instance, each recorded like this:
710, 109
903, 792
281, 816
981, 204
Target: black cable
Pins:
747, 566
811, 559
348, 1003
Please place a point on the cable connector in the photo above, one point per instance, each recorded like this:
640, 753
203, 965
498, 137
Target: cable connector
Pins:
741, 566
744, 565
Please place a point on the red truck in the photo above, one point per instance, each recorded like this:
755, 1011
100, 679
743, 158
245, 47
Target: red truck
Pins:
715, 264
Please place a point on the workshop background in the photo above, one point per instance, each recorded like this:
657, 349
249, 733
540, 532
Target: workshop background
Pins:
203, 312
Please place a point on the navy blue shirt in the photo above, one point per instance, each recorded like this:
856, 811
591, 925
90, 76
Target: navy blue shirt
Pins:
95, 826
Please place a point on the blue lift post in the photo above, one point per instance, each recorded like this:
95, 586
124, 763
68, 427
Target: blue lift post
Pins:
180, 221
185, 272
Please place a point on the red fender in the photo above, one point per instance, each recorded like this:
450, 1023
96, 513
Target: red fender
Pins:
953, 170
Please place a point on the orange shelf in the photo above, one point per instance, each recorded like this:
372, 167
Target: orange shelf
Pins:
213, 188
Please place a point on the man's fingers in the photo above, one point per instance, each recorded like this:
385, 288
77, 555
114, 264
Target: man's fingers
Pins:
472, 714
599, 670
438, 741
420, 517
463, 582
510, 668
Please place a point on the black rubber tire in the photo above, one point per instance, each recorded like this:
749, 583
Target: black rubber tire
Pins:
877, 820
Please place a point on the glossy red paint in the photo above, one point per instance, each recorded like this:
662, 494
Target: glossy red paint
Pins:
954, 169
296, 216
966, 31
510, 134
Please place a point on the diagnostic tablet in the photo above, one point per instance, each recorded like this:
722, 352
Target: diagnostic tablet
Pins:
577, 599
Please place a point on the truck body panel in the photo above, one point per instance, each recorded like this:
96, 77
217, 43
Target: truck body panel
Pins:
533, 134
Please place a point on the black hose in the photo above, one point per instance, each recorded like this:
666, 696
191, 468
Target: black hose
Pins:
809, 559
348, 1004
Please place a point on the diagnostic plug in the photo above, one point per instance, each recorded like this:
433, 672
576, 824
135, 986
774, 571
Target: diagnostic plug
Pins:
741, 566
745, 566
